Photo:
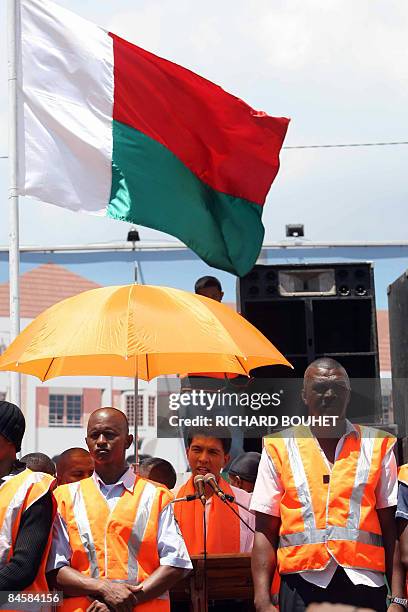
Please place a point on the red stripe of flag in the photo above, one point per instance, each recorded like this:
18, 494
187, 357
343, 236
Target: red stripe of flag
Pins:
226, 143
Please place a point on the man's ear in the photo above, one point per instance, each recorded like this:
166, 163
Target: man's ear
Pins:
129, 441
226, 459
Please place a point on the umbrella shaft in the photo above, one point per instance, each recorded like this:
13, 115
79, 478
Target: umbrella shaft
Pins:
135, 421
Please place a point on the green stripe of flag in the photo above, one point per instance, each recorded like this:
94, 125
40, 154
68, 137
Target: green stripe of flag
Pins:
152, 187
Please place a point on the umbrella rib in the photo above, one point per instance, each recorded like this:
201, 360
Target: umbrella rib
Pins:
241, 364
128, 321
48, 369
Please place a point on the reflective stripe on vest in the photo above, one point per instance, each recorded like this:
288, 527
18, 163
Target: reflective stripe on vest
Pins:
84, 529
119, 545
321, 536
14, 499
345, 525
139, 528
17, 494
362, 472
137, 534
301, 483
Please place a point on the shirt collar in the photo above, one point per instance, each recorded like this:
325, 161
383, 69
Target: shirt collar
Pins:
16, 468
127, 480
351, 429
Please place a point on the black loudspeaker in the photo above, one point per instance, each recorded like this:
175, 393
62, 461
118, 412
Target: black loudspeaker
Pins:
321, 310
398, 317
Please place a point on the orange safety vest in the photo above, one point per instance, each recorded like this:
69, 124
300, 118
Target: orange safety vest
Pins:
223, 528
17, 494
403, 474
329, 514
120, 545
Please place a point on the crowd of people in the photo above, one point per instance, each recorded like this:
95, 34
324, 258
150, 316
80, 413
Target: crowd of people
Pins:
320, 512
102, 531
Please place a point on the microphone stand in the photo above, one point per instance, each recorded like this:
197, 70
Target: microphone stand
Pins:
187, 498
231, 498
227, 501
205, 583
226, 498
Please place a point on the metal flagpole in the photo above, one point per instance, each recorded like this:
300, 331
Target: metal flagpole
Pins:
136, 394
14, 260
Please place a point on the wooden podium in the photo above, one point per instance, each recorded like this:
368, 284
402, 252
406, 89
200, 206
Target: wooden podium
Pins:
228, 577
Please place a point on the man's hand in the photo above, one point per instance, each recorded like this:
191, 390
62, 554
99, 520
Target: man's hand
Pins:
267, 608
97, 606
263, 560
394, 608
119, 596
327, 607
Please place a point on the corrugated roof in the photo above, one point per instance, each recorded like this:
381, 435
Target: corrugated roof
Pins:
42, 287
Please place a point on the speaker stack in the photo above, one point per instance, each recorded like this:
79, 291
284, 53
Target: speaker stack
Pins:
398, 317
321, 310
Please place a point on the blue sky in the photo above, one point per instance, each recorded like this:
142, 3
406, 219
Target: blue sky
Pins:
338, 69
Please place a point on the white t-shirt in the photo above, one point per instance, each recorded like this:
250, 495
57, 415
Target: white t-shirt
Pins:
246, 536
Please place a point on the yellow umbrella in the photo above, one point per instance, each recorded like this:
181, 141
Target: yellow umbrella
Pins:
139, 331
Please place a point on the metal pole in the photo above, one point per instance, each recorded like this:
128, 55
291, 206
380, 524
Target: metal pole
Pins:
136, 423
136, 393
14, 263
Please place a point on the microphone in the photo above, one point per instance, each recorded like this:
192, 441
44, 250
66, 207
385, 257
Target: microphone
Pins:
199, 487
211, 480
186, 498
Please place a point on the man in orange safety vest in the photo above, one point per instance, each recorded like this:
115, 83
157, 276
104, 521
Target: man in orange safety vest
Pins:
116, 545
325, 501
26, 512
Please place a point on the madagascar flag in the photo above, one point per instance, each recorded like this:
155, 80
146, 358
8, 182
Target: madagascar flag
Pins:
110, 129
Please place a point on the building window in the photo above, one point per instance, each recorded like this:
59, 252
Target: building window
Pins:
2, 396
65, 410
152, 411
130, 412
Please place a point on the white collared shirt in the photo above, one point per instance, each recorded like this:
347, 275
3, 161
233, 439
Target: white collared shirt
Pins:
170, 544
268, 493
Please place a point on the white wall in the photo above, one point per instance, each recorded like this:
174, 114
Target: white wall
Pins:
54, 440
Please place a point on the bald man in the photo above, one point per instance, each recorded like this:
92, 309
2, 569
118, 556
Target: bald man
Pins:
39, 462
74, 464
325, 501
115, 543
159, 470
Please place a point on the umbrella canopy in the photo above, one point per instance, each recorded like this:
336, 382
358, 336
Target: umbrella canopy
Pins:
138, 331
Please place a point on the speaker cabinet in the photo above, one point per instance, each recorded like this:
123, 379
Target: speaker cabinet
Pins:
320, 310
398, 317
